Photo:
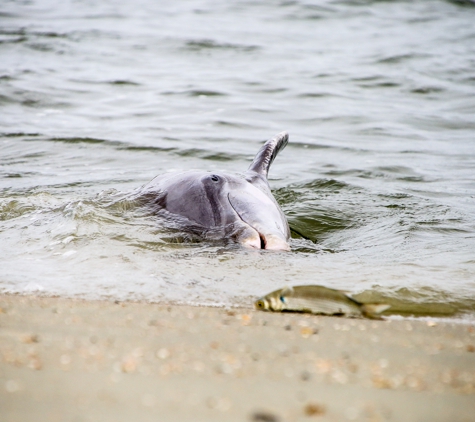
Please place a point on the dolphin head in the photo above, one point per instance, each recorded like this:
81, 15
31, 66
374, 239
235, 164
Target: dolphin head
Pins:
249, 214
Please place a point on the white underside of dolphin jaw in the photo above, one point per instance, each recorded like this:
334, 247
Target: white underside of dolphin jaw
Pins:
250, 237
258, 241
251, 242
245, 235
275, 243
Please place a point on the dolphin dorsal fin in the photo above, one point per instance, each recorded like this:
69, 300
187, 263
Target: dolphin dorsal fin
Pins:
266, 155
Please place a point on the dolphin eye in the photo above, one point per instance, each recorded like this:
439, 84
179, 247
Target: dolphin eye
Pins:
214, 178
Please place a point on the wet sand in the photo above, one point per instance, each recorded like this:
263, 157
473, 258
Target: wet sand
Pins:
74, 360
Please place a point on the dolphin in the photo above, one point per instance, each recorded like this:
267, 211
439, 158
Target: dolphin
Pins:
217, 204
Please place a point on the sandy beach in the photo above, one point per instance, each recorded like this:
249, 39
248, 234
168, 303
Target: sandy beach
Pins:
75, 360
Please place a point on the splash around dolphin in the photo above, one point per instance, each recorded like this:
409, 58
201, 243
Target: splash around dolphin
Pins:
221, 205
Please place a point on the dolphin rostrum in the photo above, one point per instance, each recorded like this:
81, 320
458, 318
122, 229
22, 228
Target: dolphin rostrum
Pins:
218, 204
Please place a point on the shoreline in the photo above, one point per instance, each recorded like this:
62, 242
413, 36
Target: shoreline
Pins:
76, 359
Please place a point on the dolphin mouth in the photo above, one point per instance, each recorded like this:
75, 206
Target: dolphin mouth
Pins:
254, 236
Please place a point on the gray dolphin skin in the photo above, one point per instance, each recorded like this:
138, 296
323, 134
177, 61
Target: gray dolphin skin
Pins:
218, 204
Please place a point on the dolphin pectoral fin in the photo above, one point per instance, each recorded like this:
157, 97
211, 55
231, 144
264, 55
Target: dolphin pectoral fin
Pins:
266, 155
